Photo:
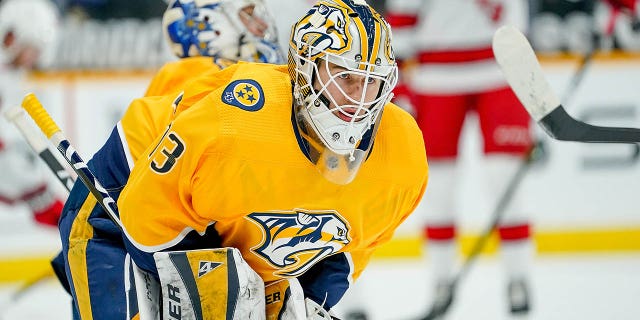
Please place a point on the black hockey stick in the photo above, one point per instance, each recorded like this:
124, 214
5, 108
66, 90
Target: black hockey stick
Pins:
524, 74
40, 145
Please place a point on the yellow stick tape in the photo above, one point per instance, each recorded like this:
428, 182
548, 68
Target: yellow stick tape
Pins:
40, 115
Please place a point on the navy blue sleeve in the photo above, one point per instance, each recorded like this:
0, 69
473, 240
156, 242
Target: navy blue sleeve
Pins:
110, 166
327, 281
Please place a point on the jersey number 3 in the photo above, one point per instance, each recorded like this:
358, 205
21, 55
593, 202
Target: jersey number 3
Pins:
171, 148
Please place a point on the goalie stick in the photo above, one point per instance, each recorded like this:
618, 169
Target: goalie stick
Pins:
524, 74
46, 124
40, 146
67, 177
51, 130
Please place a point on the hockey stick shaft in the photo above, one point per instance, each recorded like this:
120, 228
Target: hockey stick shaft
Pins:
40, 145
55, 135
498, 212
578, 75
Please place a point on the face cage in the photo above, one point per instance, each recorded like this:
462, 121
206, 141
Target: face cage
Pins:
363, 109
321, 105
339, 163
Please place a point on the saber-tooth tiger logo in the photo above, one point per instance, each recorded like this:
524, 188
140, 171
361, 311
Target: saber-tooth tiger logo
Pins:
295, 241
325, 28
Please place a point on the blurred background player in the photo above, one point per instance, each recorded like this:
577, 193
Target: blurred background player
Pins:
456, 74
206, 38
212, 36
27, 33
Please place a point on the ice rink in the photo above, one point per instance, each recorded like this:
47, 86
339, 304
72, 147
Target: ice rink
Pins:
564, 287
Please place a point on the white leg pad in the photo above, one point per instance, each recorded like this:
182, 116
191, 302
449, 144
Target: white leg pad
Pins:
285, 300
212, 284
147, 294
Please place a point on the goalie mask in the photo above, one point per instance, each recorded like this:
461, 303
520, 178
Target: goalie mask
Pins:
343, 70
227, 29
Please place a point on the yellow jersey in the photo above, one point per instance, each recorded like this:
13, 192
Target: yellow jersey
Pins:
174, 75
92, 243
229, 171
146, 118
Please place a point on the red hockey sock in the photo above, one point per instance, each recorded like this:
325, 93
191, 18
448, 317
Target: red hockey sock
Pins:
515, 232
50, 215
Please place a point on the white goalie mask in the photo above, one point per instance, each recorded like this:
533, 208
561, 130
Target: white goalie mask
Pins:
343, 71
227, 29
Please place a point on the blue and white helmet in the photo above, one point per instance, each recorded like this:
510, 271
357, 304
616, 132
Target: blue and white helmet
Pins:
336, 44
227, 29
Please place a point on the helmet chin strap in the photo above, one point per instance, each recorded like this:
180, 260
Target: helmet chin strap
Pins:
324, 99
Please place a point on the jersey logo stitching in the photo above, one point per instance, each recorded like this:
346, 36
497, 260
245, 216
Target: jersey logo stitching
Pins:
245, 94
295, 241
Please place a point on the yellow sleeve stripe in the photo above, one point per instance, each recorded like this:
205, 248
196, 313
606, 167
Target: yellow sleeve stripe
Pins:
81, 232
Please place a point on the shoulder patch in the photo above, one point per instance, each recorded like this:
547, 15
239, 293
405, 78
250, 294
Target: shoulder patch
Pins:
245, 94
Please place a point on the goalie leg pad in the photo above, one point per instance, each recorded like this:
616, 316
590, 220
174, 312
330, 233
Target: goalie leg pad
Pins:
316, 311
207, 284
285, 300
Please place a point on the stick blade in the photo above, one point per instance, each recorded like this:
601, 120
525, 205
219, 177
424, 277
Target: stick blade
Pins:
522, 70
